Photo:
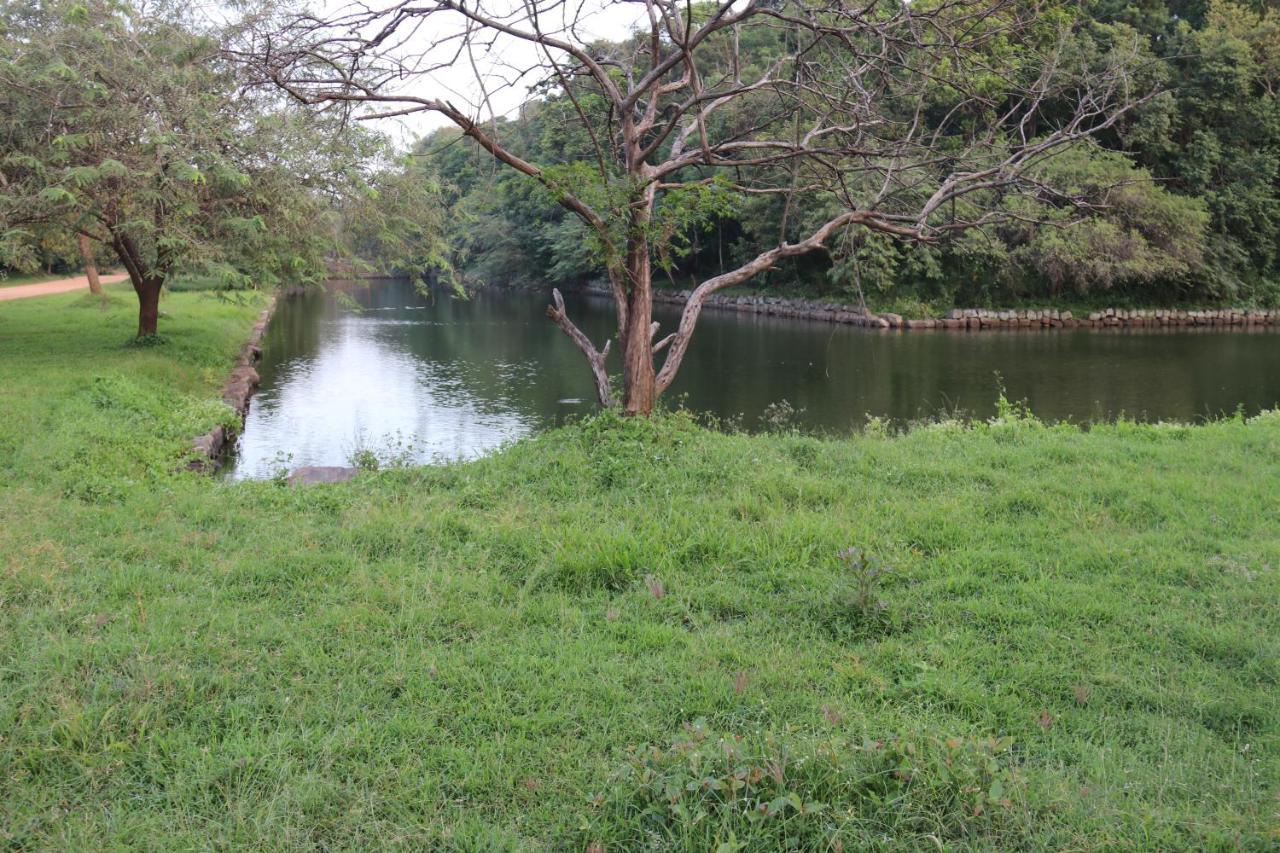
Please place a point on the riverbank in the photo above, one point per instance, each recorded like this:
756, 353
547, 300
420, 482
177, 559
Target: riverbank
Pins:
622, 632
972, 319
210, 447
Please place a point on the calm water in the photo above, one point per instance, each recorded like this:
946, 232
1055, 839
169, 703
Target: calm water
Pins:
443, 378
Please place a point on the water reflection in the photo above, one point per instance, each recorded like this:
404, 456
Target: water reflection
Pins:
452, 378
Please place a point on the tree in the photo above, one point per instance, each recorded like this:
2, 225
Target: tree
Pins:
914, 120
1225, 143
128, 128
90, 265
394, 224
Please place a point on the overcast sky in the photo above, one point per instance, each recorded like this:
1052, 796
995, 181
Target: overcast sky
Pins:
504, 88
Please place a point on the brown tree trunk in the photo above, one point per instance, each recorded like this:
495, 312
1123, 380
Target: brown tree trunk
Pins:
148, 290
90, 268
146, 281
640, 390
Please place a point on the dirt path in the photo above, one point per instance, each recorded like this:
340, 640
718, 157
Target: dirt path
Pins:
62, 285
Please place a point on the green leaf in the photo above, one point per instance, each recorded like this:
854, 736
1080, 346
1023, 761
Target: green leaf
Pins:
56, 195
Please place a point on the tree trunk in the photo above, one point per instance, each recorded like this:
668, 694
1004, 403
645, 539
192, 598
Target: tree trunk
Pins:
146, 280
90, 268
640, 390
148, 290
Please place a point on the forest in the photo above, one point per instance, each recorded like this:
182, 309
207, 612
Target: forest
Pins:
1181, 195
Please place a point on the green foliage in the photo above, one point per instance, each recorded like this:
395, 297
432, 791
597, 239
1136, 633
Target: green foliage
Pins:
785, 791
1182, 195
394, 224
128, 123
120, 414
1217, 139
1144, 237
858, 595
683, 213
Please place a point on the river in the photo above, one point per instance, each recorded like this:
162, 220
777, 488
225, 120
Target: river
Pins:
380, 367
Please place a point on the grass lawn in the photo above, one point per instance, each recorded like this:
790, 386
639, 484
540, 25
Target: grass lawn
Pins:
15, 279
622, 634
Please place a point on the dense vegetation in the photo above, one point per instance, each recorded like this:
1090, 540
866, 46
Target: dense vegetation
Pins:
626, 633
127, 125
1187, 188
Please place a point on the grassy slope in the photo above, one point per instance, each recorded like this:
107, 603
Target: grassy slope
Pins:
1078, 649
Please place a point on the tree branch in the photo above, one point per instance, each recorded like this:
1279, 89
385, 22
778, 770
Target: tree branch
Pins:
595, 358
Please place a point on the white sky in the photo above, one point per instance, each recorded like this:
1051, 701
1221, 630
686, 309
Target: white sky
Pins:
500, 68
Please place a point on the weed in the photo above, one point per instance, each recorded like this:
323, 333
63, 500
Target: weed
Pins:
781, 417
855, 604
394, 451
790, 791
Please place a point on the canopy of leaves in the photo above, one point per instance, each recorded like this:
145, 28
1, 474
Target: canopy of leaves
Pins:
125, 123
1183, 194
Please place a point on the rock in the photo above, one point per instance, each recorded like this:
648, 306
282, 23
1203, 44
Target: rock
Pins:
321, 474
894, 320
207, 447
236, 395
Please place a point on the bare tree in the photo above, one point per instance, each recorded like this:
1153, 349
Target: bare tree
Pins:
914, 119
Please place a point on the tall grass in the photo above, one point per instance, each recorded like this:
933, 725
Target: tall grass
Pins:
623, 634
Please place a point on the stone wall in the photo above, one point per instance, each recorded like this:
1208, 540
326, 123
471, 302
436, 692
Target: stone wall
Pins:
241, 384
971, 318
778, 306
974, 319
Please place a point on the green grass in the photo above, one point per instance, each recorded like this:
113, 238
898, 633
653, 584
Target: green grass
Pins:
631, 634
9, 279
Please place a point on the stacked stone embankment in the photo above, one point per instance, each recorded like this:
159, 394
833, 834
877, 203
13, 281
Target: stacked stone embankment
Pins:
975, 319
241, 384
1045, 318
